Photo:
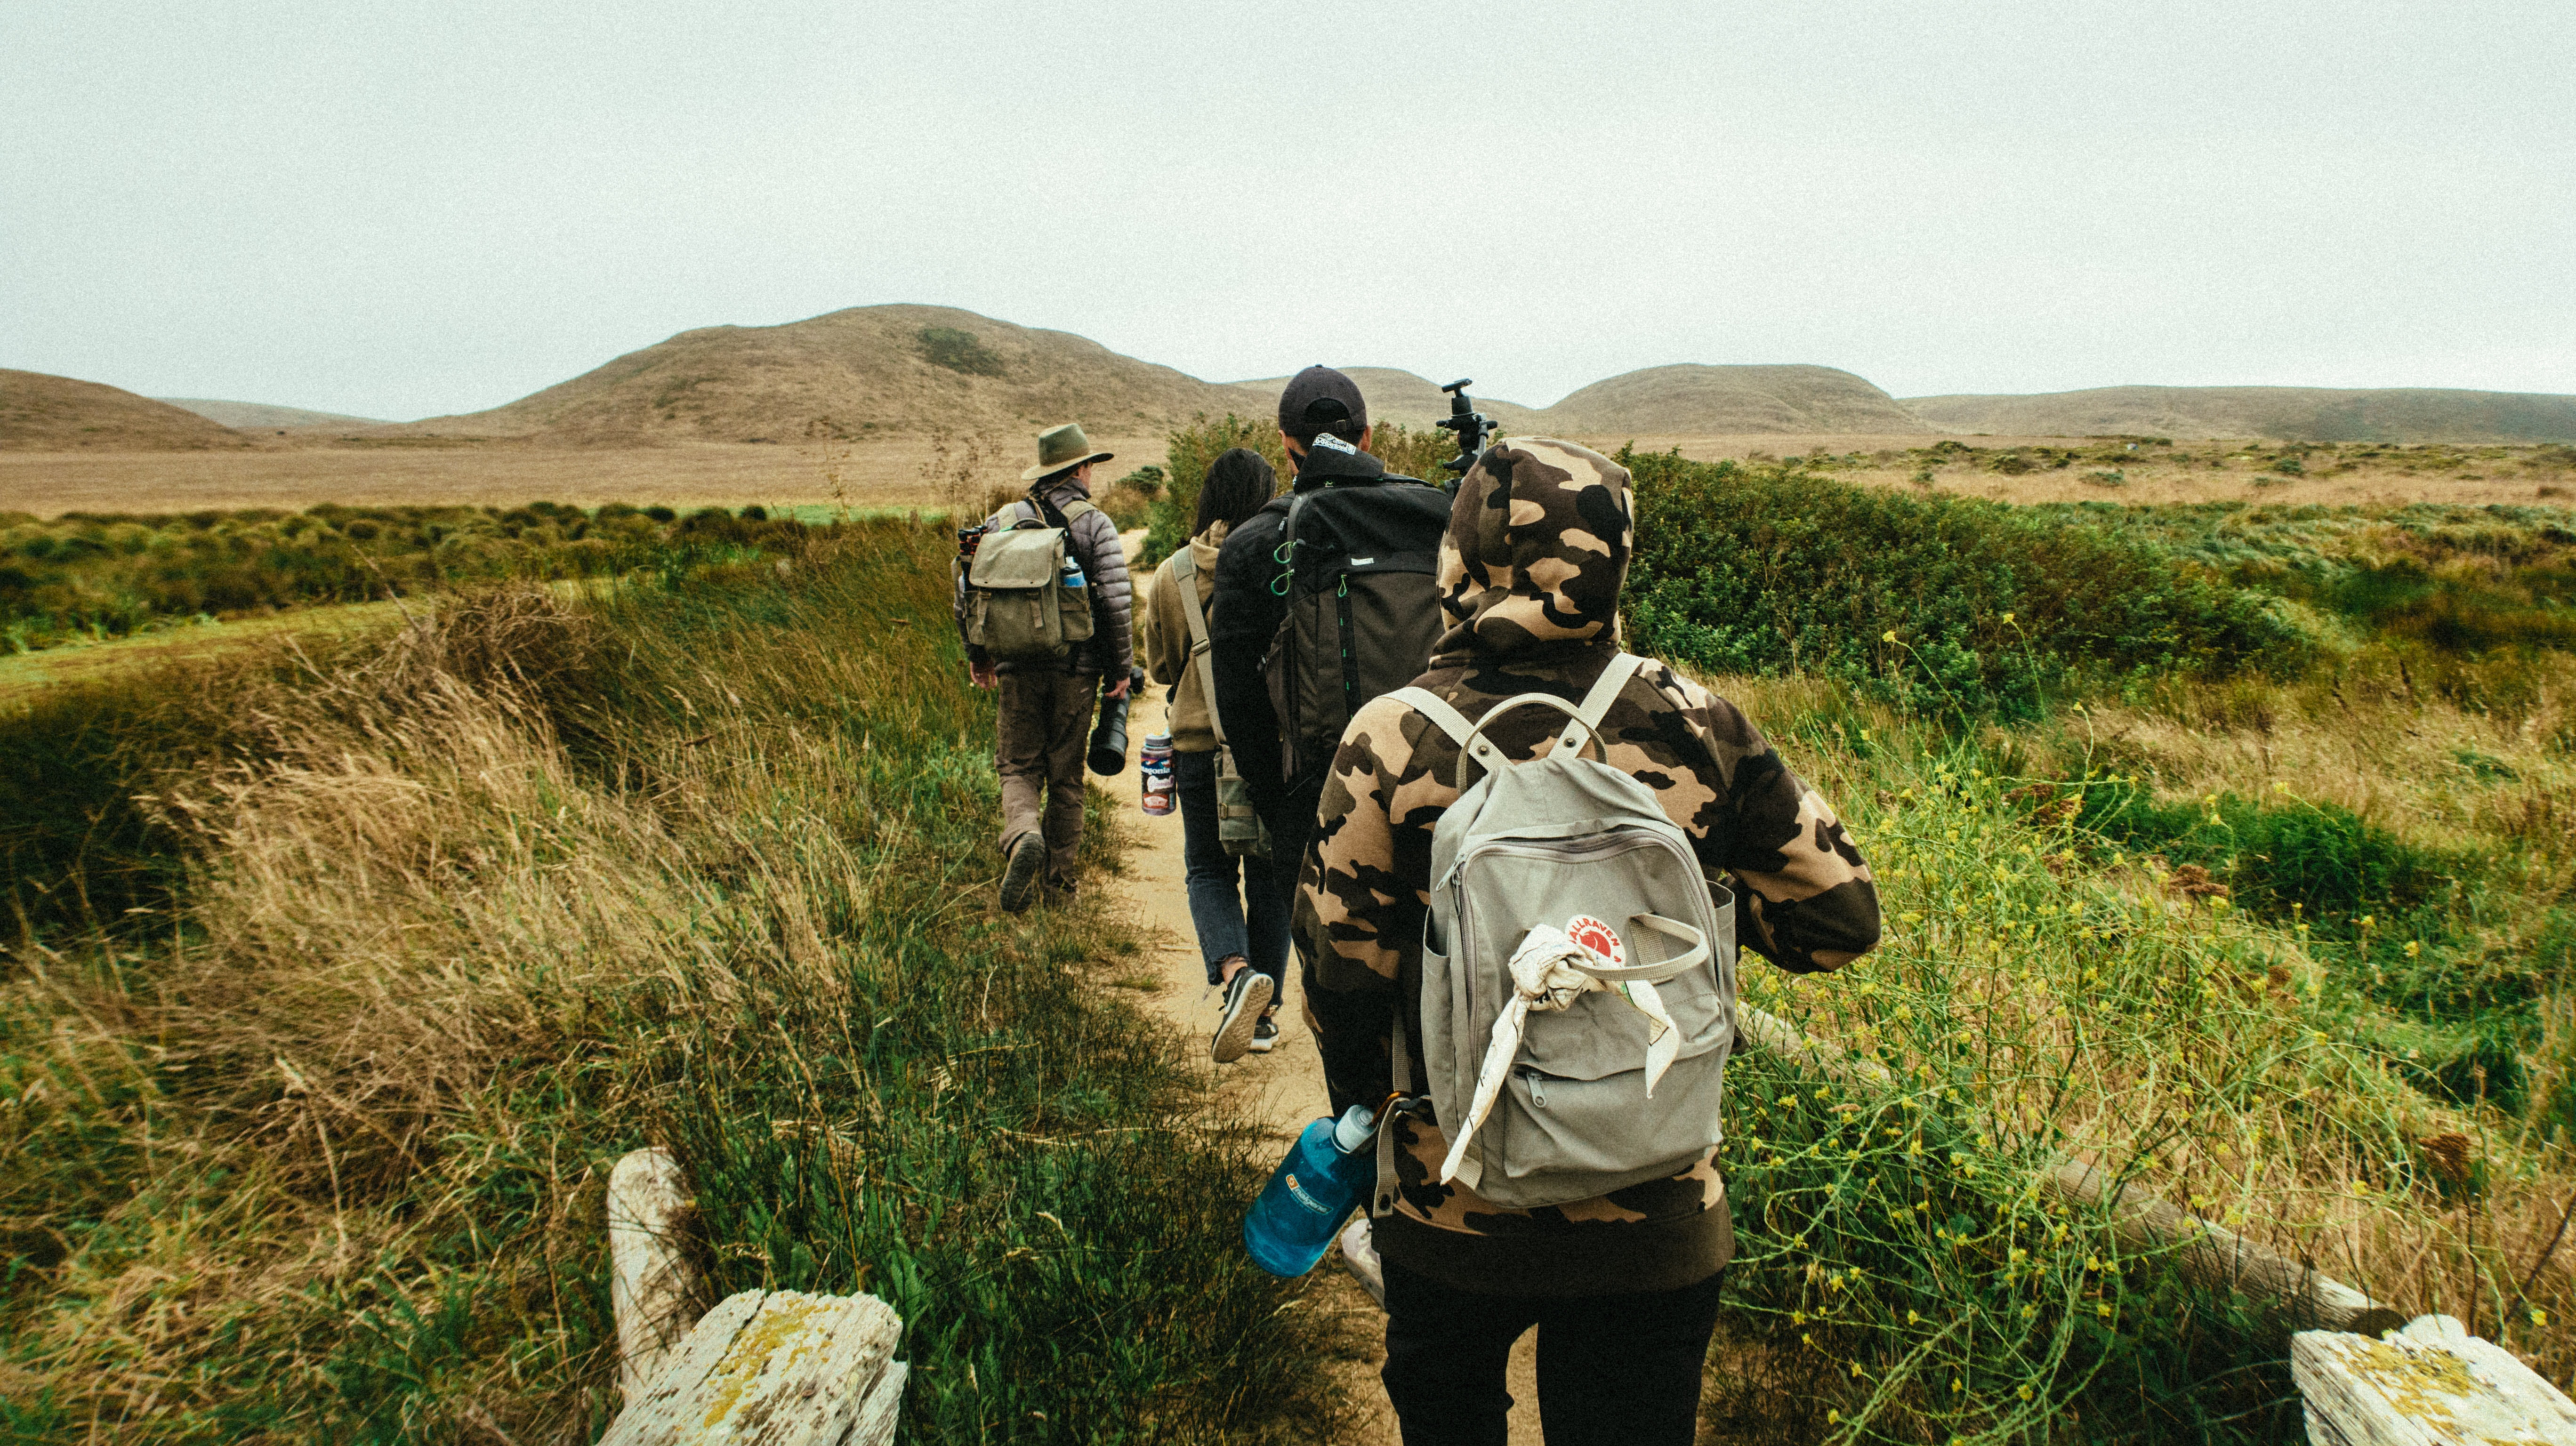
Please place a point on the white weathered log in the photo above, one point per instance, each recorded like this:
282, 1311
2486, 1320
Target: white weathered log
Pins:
2219, 1259
2207, 1255
884, 1404
2430, 1384
652, 1285
775, 1368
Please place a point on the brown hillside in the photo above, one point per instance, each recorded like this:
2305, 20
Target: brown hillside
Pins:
264, 415
1692, 400
1393, 396
40, 413
2288, 414
870, 370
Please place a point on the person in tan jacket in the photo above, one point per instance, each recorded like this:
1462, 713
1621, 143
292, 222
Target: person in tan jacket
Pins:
1241, 913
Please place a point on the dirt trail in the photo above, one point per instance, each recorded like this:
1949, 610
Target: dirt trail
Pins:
1284, 1088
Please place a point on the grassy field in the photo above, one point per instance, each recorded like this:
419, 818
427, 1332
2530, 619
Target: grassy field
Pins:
309, 1141
2226, 848
89, 577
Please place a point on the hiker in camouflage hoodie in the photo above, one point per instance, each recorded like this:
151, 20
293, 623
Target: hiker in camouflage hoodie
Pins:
1624, 1286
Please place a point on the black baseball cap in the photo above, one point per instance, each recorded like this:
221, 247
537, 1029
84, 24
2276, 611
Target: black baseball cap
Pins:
1320, 399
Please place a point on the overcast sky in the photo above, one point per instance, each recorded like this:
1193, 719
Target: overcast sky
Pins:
397, 211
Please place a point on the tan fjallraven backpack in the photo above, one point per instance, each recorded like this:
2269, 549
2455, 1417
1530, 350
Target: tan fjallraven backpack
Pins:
1026, 602
1578, 1104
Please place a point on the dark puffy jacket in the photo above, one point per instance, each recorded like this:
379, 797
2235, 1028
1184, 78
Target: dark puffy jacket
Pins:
1094, 542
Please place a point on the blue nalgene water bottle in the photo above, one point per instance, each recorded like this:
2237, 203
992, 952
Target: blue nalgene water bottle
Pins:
1326, 1173
1072, 574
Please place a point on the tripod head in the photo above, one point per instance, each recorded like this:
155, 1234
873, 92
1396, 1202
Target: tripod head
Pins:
1472, 427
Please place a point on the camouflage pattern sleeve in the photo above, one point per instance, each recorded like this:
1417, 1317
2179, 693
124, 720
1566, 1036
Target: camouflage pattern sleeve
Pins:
1804, 896
1359, 912
1358, 921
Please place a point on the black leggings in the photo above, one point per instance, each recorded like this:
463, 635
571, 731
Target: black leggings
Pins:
1613, 1370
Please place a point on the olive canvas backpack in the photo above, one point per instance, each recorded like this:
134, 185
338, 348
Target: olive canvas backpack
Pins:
1027, 600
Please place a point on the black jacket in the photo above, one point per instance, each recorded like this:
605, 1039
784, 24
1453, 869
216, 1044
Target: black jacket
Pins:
1244, 615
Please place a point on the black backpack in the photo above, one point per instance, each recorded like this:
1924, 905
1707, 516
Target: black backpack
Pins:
1357, 568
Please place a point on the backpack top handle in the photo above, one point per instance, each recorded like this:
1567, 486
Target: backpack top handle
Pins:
1584, 727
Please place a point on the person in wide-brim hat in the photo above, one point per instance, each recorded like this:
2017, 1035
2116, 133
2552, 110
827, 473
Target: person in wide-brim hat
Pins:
1061, 449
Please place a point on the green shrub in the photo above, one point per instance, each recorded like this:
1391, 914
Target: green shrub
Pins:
1187, 455
96, 575
959, 351
1937, 602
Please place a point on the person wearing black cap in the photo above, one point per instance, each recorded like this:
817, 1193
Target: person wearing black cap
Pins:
1324, 422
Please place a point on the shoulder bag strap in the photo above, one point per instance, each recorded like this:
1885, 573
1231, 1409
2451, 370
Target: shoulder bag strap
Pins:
1062, 517
1185, 571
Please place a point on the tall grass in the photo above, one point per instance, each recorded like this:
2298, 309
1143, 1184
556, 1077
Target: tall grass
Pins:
318, 1152
2044, 994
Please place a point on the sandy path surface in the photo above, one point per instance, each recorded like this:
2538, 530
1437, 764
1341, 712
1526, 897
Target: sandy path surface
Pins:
1284, 1088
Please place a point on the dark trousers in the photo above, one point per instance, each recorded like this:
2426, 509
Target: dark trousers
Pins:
1040, 727
1613, 1370
1234, 904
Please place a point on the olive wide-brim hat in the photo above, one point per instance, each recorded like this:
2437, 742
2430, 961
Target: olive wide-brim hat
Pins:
1062, 449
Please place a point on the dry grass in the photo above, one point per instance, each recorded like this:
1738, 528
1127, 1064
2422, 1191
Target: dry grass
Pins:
891, 473
868, 474
320, 1155
2040, 986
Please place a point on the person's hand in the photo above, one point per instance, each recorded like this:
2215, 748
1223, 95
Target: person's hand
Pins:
1119, 688
983, 674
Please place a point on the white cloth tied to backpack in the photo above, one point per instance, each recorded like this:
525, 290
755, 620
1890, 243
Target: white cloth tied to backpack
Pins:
1545, 978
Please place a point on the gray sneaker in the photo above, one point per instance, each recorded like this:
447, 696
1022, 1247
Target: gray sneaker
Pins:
1265, 1036
1020, 877
1247, 1000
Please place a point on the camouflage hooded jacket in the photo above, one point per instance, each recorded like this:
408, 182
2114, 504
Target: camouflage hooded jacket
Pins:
1530, 573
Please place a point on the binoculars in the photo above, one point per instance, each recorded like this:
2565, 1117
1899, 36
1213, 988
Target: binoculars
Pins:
1109, 735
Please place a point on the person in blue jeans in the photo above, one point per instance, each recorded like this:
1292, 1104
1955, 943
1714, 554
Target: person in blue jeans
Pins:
1239, 907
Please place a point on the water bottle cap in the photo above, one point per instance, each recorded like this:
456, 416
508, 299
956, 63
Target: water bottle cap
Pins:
1352, 1130
1157, 740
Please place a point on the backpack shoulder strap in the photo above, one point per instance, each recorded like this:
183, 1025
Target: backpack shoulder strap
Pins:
1596, 703
1185, 574
1436, 708
1286, 553
1079, 508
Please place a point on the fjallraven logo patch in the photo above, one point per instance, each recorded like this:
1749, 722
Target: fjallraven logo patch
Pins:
1598, 937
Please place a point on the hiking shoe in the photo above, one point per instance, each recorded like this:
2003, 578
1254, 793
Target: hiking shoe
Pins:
1265, 1036
1246, 1000
1020, 879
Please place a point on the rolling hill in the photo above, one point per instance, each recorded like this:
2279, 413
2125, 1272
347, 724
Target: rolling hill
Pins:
41, 413
248, 415
1693, 400
1393, 396
868, 370
2288, 414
